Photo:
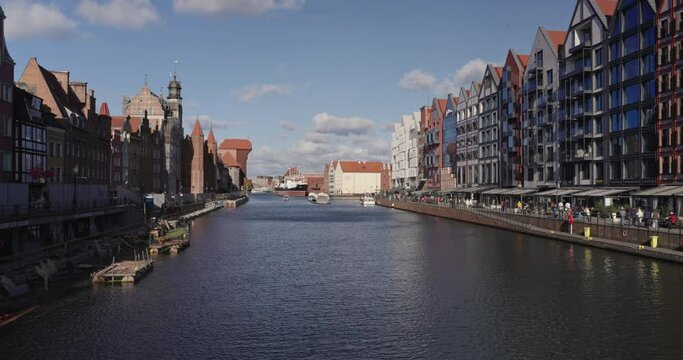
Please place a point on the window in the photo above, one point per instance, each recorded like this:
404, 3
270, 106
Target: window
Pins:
631, 69
649, 142
631, 169
648, 37
630, 17
631, 145
598, 103
649, 169
631, 94
631, 119
598, 125
598, 80
631, 44
615, 99
614, 51
598, 57
6, 161
646, 12
550, 76
615, 170
648, 63
649, 90
615, 122
615, 75
616, 29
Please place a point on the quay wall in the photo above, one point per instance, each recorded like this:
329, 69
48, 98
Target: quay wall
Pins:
555, 229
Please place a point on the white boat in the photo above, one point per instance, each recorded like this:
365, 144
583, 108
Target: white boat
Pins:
285, 197
313, 197
322, 198
367, 200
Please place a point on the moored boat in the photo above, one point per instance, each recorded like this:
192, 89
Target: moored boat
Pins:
367, 200
322, 198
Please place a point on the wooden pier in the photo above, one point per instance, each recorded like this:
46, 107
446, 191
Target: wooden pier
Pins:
172, 247
124, 272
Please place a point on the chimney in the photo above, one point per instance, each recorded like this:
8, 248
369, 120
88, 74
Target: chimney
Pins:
63, 78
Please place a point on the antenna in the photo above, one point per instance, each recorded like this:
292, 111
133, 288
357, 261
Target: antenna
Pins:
175, 69
145, 79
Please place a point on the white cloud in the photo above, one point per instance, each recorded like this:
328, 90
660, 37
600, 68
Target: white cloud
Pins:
250, 93
326, 123
317, 147
287, 125
27, 19
122, 14
234, 7
417, 79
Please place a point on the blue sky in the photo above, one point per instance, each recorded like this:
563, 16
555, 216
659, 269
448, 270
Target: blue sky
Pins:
307, 81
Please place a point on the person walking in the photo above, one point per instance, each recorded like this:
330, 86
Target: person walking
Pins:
639, 216
587, 211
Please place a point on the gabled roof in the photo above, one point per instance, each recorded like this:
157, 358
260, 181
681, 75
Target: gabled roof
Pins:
361, 166
104, 109
197, 130
229, 160
499, 70
118, 121
452, 102
239, 144
523, 60
608, 7
44, 84
555, 37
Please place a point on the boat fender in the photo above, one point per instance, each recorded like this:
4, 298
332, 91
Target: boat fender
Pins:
624, 233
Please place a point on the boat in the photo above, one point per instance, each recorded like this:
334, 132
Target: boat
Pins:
367, 200
6, 319
322, 199
292, 189
285, 197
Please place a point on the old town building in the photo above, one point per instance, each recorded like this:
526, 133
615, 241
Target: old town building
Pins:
511, 170
238, 153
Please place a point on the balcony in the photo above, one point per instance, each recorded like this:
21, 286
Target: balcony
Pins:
583, 45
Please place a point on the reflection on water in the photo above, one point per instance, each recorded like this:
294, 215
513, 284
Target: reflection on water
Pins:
278, 279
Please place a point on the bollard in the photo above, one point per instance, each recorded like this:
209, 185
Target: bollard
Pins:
653, 241
587, 232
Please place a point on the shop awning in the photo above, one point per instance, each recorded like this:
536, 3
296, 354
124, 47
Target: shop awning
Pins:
521, 191
660, 191
474, 190
602, 192
497, 191
557, 192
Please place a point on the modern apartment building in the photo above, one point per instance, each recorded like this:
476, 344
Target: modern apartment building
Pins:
632, 143
540, 148
450, 146
434, 144
488, 129
468, 135
583, 75
669, 110
404, 152
511, 171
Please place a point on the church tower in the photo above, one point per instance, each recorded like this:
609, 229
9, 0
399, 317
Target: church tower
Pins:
197, 180
174, 134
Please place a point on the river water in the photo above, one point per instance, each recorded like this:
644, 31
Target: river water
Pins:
293, 280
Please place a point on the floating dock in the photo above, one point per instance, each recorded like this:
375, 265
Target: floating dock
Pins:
124, 272
172, 247
231, 204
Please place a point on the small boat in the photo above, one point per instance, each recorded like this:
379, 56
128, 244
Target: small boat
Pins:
367, 200
6, 319
313, 197
322, 198
285, 197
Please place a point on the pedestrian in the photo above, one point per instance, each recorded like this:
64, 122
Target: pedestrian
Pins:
648, 217
570, 219
655, 219
639, 216
622, 214
587, 211
673, 220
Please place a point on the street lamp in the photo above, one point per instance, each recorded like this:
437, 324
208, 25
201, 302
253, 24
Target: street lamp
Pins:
75, 170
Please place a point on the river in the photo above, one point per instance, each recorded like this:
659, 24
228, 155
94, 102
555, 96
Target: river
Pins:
293, 280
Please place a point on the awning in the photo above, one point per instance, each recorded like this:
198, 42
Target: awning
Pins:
602, 192
473, 190
661, 191
557, 192
521, 191
497, 191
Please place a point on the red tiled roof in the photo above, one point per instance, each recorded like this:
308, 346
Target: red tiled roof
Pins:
229, 160
197, 131
361, 166
557, 37
212, 139
499, 70
104, 109
117, 123
524, 59
442, 104
239, 144
608, 7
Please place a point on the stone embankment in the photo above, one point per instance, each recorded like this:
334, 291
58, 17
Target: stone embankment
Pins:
553, 229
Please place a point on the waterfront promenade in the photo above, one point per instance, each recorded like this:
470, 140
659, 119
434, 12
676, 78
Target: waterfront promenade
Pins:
595, 231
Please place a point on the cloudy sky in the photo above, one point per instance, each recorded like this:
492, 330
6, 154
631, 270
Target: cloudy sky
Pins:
307, 81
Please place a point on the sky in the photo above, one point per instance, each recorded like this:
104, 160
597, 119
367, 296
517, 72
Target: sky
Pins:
307, 81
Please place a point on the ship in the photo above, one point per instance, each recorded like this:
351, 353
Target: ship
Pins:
292, 189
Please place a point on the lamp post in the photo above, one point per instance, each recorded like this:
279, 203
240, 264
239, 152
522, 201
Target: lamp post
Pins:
75, 170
